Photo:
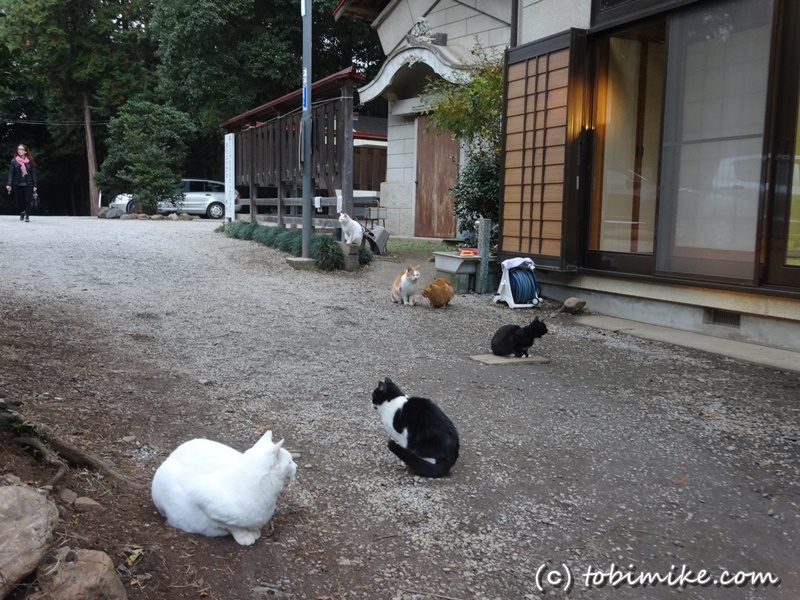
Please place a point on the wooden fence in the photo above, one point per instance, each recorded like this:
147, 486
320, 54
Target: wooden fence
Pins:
268, 162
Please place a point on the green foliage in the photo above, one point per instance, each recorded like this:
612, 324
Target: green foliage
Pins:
477, 191
365, 255
326, 253
323, 250
218, 59
290, 241
236, 229
147, 146
472, 110
411, 246
249, 230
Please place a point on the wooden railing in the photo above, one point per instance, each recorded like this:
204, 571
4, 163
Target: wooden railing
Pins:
289, 211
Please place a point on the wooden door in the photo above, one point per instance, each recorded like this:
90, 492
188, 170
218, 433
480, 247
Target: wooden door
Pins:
437, 171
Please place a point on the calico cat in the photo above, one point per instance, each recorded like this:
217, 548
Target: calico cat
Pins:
208, 488
516, 340
351, 230
421, 434
439, 292
405, 286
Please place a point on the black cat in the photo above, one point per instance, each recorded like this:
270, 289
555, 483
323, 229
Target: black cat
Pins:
516, 340
421, 434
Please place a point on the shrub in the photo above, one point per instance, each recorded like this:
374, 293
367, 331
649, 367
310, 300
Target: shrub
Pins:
365, 256
326, 253
289, 240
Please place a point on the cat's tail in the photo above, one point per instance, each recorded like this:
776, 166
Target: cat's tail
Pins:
419, 466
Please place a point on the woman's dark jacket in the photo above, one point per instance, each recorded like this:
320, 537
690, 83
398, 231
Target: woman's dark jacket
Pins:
15, 174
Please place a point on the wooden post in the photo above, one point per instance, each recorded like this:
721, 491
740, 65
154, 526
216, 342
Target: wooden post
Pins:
281, 194
251, 178
347, 149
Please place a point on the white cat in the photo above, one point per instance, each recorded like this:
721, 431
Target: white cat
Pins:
351, 230
209, 488
406, 286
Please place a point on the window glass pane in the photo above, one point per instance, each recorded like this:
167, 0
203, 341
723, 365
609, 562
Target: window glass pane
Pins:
793, 245
630, 89
196, 186
713, 139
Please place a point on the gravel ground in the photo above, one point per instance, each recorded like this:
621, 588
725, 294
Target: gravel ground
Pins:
618, 450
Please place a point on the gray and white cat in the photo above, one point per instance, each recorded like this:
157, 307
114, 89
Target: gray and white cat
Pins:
209, 488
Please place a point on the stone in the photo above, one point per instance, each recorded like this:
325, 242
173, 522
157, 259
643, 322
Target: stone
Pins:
27, 522
572, 306
110, 213
68, 496
350, 252
301, 264
84, 504
80, 574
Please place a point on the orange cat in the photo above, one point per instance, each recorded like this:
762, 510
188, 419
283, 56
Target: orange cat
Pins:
439, 292
405, 286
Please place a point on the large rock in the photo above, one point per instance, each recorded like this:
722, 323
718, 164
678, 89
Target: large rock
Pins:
27, 522
80, 574
572, 306
112, 213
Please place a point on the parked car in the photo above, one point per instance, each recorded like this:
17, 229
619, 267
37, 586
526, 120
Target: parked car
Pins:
200, 197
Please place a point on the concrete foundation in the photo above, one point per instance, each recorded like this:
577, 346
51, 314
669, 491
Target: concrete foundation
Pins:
699, 312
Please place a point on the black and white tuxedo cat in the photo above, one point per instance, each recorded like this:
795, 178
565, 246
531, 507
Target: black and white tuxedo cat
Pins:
422, 436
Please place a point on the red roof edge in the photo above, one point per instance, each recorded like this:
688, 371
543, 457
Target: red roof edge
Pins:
331, 81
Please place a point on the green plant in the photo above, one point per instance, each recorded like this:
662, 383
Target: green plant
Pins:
326, 253
289, 240
249, 230
477, 191
147, 146
235, 229
365, 256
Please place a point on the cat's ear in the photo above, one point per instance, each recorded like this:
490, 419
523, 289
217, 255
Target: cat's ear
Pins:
277, 447
266, 439
381, 386
388, 381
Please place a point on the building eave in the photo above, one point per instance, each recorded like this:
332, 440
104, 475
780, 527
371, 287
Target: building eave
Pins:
448, 63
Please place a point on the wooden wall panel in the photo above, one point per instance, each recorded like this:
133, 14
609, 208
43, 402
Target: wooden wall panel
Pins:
535, 147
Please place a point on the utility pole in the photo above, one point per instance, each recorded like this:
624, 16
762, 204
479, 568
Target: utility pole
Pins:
305, 12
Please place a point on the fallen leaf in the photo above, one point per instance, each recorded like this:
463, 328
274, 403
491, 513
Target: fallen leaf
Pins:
680, 480
710, 415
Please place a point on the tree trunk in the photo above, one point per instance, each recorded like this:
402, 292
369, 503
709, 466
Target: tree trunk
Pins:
92, 159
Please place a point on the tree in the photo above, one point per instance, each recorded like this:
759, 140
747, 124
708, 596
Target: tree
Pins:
219, 59
472, 110
148, 144
84, 58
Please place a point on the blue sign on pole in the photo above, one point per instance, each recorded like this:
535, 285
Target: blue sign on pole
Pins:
305, 89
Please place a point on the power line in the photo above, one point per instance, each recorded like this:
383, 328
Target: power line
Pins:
20, 122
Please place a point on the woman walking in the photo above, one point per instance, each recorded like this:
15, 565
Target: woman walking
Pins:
22, 177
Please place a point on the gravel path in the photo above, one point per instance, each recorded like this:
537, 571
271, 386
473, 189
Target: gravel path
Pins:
619, 450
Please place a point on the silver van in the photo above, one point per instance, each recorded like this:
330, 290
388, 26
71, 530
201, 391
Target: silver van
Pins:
200, 197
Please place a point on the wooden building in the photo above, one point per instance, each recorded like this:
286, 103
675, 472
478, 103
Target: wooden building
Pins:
348, 154
652, 160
